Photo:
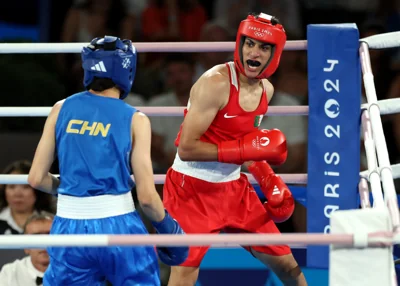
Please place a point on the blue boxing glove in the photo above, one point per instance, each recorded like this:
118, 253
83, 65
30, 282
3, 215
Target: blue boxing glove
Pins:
171, 255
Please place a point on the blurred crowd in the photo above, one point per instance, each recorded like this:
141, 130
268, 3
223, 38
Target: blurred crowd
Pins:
166, 79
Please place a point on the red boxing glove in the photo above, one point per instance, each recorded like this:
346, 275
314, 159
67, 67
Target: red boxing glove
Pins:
269, 145
280, 202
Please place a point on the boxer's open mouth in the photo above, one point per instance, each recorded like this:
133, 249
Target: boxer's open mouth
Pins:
253, 64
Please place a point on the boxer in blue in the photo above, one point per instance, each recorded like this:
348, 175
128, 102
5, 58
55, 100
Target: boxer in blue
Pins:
100, 141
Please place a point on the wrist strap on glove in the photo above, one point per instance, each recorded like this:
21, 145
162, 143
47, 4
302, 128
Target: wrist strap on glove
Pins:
167, 226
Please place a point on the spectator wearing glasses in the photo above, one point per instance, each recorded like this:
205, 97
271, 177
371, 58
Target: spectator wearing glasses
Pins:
29, 270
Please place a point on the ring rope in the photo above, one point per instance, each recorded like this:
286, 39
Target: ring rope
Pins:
227, 240
382, 41
373, 171
299, 179
395, 171
373, 112
160, 179
150, 111
164, 47
386, 106
364, 195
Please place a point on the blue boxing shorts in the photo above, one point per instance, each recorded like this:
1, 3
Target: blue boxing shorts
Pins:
94, 265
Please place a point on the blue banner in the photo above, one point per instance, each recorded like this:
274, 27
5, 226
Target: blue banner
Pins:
334, 92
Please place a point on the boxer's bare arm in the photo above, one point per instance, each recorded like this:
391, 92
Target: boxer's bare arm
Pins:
207, 97
142, 168
39, 176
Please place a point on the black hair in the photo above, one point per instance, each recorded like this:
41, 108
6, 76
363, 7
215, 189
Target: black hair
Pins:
43, 200
114, 17
101, 84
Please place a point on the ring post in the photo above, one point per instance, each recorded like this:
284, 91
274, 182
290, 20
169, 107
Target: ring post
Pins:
334, 92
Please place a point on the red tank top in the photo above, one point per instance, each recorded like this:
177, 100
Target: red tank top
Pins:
232, 122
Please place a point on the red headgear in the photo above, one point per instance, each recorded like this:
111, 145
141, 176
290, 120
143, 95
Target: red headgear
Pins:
261, 28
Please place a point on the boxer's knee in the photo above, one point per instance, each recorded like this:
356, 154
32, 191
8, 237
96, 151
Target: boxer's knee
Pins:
285, 267
183, 276
289, 273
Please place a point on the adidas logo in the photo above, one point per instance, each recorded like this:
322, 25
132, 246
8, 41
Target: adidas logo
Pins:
276, 191
99, 67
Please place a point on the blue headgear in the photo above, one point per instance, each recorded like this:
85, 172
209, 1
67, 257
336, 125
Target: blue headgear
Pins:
110, 57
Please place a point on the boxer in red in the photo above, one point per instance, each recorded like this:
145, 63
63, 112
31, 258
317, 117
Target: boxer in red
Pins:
204, 189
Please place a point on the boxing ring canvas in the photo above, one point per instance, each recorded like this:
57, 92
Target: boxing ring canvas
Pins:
334, 181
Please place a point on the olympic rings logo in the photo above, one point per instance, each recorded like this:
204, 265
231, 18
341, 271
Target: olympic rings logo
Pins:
258, 34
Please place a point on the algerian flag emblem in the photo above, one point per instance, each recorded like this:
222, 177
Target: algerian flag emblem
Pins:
257, 120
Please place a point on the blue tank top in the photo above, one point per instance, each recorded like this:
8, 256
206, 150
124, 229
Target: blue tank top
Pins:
94, 142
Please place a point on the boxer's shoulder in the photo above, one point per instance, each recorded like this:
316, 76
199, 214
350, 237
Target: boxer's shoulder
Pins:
217, 73
213, 82
215, 79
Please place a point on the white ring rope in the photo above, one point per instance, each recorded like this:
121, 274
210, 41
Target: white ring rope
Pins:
226, 240
363, 191
159, 179
395, 171
382, 41
295, 179
374, 177
386, 106
181, 47
373, 111
150, 111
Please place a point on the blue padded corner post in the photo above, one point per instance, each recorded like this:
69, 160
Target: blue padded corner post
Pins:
334, 92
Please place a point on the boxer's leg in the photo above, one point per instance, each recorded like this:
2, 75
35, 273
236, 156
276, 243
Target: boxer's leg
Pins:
125, 265
71, 265
183, 276
248, 215
285, 267
194, 204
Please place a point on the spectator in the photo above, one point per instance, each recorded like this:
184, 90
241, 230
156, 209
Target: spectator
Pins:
92, 18
287, 11
29, 271
86, 20
18, 201
179, 79
229, 13
135, 99
135, 9
161, 21
173, 20
212, 32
